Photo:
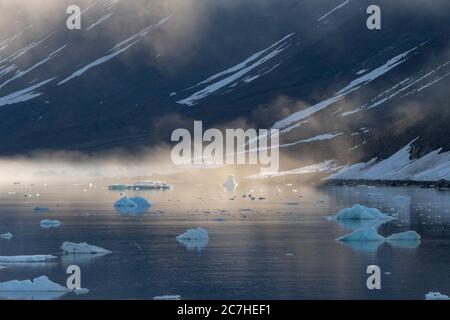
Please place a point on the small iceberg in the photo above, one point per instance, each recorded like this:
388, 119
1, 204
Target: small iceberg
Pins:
136, 205
6, 236
230, 184
404, 236
194, 239
118, 187
436, 296
27, 259
174, 297
82, 248
48, 224
40, 288
366, 234
360, 212
41, 209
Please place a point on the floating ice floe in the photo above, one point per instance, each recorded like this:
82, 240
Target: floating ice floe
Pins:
37, 289
436, 296
136, 205
47, 224
41, 209
169, 297
360, 212
6, 236
82, 248
230, 184
27, 259
404, 236
194, 239
151, 185
366, 234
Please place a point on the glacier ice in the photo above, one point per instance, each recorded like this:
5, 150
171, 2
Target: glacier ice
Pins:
6, 236
436, 296
47, 224
82, 248
194, 239
26, 259
404, 236
360, 212
365, 234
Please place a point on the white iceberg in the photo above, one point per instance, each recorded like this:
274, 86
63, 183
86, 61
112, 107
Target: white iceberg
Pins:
82, 248
38, 284
6, 236
194, 239
366, 234
174, 297
360, 212
404, 236
136, 205
47, 224
230, 184
436, 296
27, 259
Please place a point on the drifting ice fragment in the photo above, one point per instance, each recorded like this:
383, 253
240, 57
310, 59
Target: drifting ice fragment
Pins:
82, 248
404, 236
436, 296
136, 205
366, 234
26, 259
359, 212
47, 224
167, 298
39, 209
194, 239
6, 236
230, 184
38, 284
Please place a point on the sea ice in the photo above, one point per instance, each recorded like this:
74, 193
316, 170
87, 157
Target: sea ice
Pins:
6, 236
47, 224
194, 239
366, 234
359, 212
404, 236
26, 259
82, 248
174, 297
436, 296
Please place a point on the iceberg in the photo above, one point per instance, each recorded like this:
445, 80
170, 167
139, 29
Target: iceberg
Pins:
38, 284
47, 224
6, 236
360, 212
436, 296
230, 184
366, 234
136, 205
404, 236
26, 259
194, 239
82, 248
174, 297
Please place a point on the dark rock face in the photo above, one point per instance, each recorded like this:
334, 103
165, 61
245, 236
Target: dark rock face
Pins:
133, 98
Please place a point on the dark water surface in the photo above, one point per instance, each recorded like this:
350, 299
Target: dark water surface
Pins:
280, 247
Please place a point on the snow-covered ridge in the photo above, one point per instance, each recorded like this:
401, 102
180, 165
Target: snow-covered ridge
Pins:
233, 75
294, 120
431, 167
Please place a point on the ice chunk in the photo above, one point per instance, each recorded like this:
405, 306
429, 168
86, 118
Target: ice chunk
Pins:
404, 236
26, 259
194, 239
47, 224
366, 234
436, 296
151, 185
41, 209
82, 248
230, 183
118, 187
6, 236
38, 284
136, 205
359, 212
174, 297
